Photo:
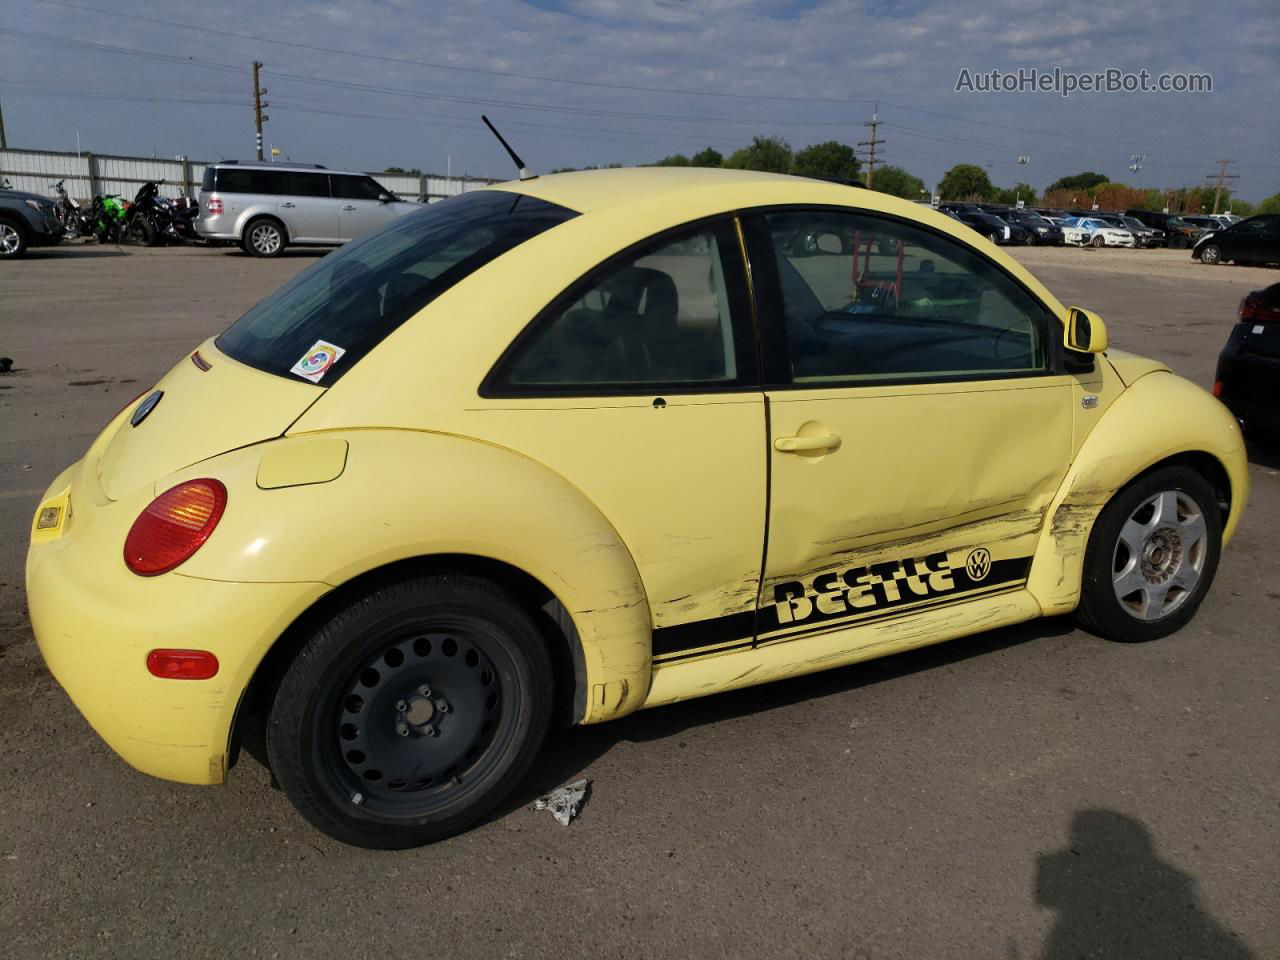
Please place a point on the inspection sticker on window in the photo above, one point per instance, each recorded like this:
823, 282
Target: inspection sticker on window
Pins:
316, 362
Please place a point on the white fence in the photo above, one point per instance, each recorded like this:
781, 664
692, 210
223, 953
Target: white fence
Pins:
90, 174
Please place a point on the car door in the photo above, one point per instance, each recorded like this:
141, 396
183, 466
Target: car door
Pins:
919, 421
363, 205
639, 385
306, 208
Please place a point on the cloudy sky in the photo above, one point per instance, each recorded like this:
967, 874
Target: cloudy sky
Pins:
356, 83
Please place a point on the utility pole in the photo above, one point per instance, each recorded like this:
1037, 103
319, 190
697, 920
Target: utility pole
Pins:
1221, 177
871, 144
258, 103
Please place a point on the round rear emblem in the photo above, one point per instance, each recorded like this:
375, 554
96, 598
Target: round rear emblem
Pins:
978, 564
144, 409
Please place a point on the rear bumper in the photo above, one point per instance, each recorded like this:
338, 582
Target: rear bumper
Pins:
95, 622
1250, 382
219, 227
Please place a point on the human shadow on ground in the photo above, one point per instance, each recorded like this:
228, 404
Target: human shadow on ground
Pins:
1115, 899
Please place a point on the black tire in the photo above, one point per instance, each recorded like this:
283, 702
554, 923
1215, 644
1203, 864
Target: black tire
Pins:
1210, 253
142, 231
264, 237
364, 694
1098, 241
13, 239
1101, 610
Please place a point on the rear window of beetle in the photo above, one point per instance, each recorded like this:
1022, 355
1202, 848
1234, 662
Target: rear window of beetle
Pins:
322, 322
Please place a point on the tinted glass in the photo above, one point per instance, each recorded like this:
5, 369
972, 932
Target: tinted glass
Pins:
660, 318
869, 299
298, 184
207, 182
354, 298
357, 188
235, 180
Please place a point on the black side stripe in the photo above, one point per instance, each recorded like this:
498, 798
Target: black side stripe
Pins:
704, 633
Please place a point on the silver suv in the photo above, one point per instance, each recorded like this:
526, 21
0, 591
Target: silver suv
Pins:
267, 206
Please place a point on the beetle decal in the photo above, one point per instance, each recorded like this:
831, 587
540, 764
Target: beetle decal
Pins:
842, 594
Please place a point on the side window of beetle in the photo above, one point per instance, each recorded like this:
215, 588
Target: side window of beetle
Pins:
670, 314
866, 298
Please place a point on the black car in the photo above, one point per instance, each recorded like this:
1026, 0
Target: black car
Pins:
991, 227
1178, 233
1042, 231
1256, 240
1248, 378
26, 220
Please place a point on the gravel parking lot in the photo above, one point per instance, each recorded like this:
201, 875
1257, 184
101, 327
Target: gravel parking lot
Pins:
1032, 792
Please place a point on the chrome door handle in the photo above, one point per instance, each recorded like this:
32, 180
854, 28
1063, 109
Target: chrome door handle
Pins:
802, 444
349, 206
288, 206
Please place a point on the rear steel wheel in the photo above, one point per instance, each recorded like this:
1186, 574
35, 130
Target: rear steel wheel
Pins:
412, 712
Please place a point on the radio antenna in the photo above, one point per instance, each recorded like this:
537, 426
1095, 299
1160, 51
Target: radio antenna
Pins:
515, 157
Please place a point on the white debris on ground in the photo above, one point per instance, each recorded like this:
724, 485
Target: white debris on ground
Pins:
563, 802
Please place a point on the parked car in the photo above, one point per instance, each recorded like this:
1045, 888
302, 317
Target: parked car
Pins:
266, 207
1099, 233
1042, 230
1249, 366
406, 508
955, 206
1143, 236
1178, 233
1072, 234
1256, 240
27, 220
991, 227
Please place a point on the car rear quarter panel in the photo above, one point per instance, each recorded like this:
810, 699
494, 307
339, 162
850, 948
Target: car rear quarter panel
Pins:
410, 494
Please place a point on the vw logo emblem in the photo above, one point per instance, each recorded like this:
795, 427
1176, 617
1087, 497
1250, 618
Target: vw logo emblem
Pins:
978, 564
145, 407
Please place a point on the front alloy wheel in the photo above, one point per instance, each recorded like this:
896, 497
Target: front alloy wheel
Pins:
1210, 254
12, 242
412, 713
1151, 556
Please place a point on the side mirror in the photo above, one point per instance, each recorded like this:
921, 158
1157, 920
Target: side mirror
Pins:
385, 197
1085, 332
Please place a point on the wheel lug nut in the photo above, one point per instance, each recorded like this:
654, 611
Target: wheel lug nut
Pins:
402, 730
401, 706
434, 731
442, 706
424, 690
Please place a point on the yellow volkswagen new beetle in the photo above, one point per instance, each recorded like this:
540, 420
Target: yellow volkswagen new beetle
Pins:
600, 441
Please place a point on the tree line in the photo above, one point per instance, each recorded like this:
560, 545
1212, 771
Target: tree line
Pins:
964, 181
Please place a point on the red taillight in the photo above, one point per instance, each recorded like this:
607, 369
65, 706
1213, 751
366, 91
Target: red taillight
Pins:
173, 526
213, 206
1253, 310
182, 664
1248, 307
1217, 388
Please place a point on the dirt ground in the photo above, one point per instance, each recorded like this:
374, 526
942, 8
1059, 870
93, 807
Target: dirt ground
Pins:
1028, 793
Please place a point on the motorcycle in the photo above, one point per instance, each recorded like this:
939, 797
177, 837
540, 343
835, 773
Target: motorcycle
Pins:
74, 218
106, 219
156, 219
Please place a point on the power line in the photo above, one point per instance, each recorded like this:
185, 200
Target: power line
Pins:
411, 61
541, 78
